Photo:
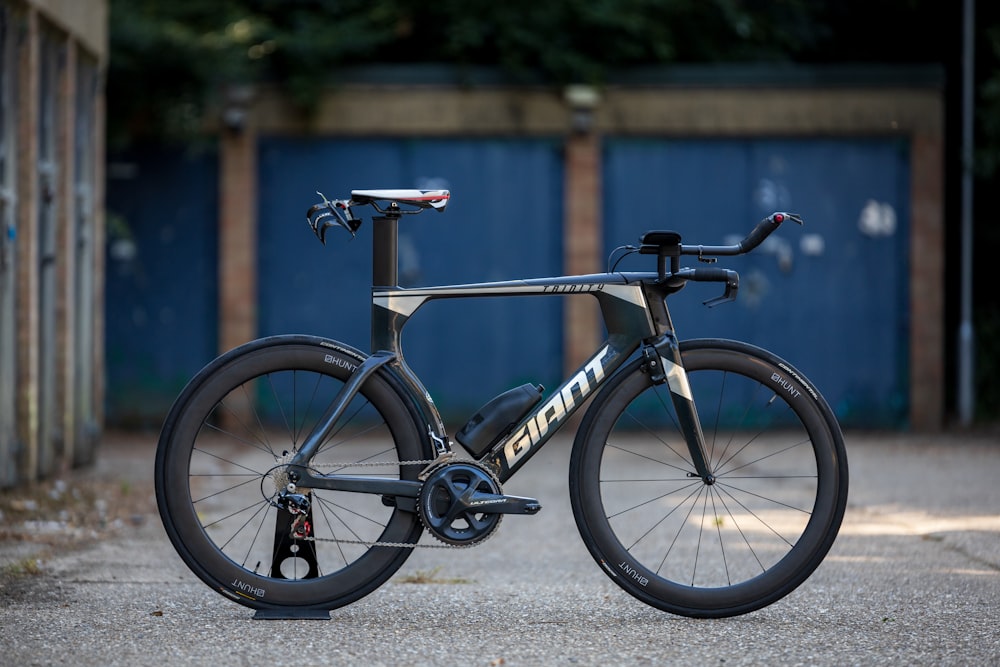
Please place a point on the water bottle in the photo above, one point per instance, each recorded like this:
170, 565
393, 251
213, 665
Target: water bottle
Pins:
498, 418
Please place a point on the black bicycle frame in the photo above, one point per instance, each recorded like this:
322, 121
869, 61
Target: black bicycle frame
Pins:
634, 310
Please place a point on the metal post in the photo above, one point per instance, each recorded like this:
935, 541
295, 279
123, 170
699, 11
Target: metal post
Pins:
966, 341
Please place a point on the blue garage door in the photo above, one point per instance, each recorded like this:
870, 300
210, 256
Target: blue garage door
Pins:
504, 221
830, 297
162, 280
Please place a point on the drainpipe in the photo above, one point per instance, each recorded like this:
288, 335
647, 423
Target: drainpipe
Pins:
966, 341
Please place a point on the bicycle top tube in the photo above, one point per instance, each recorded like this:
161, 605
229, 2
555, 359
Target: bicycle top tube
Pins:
622, 297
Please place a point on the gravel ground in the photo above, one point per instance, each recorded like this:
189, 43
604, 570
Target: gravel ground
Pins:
87, 577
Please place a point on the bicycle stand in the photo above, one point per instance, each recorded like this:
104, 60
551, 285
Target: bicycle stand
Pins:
292, 615
284, 549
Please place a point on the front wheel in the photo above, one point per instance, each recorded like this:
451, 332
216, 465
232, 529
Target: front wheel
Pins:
746, 538
221, 461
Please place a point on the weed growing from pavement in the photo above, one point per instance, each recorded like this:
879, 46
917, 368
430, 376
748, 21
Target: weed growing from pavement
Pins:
431, 577
25, 567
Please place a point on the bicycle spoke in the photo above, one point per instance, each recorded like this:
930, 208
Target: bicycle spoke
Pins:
226, 460
739, 529
728, 473
654, 499
342, 424
354, 438
254, 480
650, 458
697, 494
327, 509
739, 425
330, 531
335, 506
664, 518
256, 414
764, 498
262, 446
300, 425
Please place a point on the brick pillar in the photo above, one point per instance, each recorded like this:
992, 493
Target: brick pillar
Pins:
237, 237
927, 381
237, 245
583, 244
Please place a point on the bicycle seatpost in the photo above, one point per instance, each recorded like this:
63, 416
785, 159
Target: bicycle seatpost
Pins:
385, 248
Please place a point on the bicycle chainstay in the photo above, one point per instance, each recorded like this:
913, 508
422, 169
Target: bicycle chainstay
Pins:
430, 466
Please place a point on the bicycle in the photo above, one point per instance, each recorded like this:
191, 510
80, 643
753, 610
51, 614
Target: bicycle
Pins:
708, 478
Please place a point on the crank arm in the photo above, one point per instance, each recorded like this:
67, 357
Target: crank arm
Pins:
491, 503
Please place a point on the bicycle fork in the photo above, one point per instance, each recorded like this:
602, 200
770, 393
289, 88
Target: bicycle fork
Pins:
664, 360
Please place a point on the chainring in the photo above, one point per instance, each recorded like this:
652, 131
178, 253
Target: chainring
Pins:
441, 506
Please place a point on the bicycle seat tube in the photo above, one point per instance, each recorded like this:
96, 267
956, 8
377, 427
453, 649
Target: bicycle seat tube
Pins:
387, 324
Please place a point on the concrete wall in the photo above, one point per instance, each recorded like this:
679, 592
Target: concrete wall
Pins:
85, 20
54, 55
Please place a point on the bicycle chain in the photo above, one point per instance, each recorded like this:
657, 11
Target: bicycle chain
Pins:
449, 456
372, 463
399, 545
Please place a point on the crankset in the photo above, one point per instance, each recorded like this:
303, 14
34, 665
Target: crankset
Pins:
462, 503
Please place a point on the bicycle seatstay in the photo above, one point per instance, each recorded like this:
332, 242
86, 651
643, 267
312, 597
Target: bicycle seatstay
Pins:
312, 443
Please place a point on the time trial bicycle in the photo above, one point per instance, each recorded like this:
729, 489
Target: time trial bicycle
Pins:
295, 474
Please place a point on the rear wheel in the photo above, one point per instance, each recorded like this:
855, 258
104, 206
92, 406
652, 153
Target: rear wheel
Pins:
220, 463
731, 546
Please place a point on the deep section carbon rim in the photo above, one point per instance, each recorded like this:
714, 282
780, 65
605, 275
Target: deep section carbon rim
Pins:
223, 464
730, 546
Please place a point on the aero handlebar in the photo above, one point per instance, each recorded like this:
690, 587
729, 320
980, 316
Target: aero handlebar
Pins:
752, 240
667, 244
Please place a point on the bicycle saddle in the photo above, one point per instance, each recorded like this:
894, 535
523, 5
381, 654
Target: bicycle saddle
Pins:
436, 199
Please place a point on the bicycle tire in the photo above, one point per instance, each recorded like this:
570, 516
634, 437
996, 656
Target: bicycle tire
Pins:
710, 550
218, 463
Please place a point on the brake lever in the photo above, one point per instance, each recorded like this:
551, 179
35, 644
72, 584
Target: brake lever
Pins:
732, 287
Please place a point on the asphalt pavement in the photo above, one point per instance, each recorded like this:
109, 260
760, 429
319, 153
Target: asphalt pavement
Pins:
913, 579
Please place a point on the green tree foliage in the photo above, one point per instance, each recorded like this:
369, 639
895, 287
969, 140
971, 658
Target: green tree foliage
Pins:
170, 56
989, 109
582, 40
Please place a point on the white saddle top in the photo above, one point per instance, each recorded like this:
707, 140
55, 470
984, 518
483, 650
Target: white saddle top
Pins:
436, 199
